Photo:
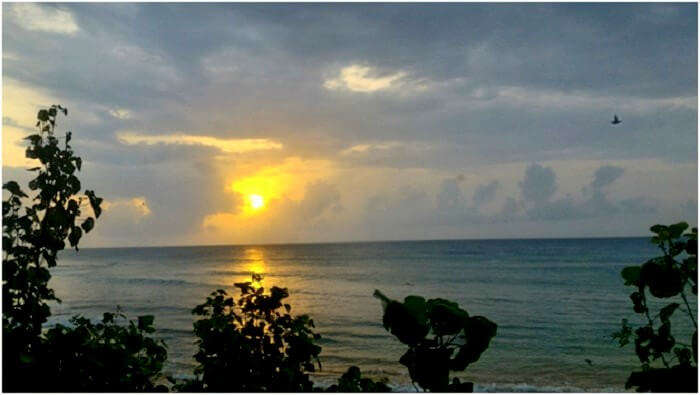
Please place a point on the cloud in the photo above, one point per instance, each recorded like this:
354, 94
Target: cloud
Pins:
122, 219
392, 154
485, 192
319, 197
312, 216
382, 102
232, 146
450, 196
366, 148
358, 78
120, 113
550, 99
44, 18
606, 175
542, 184
538, 185
138, 205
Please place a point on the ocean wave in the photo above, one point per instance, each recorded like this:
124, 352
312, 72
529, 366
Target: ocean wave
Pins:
325, 382
524, 387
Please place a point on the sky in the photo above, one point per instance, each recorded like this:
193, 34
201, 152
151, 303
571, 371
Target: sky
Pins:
252, 124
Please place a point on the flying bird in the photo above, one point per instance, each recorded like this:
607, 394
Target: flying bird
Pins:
616, 120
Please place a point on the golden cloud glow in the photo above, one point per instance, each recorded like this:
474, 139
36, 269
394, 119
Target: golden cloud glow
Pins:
19, 108
233, 146
278, 186
357, 78
287, 179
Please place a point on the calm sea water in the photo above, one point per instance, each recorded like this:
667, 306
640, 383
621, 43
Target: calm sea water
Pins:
555, 301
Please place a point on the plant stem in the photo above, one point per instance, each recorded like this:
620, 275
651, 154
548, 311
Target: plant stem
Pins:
690, 311
651, 323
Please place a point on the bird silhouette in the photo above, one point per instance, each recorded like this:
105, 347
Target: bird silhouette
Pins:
616, 120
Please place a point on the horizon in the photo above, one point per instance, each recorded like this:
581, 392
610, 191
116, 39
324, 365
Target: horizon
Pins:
220, 124
362, 242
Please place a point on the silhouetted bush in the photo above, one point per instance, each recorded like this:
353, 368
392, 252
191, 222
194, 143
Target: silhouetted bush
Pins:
457, 339
352, 381
103, 357
668, 276
252, 344
86, 357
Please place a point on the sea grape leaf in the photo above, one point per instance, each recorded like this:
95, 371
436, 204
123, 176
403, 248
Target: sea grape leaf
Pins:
676, 230
145, 322
88, 224
14, 188
479, 332
667, 311
664, 280
416, 306
631, 275
428, 367
402, 324
446, 318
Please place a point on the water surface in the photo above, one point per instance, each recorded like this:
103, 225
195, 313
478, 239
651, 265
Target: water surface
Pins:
555, 301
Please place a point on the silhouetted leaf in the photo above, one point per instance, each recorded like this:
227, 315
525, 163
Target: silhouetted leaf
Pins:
676, 230
14, 189
631, 275
88, 224
74, 236
479, 332
145, 322
416, 306
94, 203
663, 279
43, 115
404, 325
446, 318
667, 311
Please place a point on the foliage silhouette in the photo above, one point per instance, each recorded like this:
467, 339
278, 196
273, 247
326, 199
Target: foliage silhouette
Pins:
103, 357
352, 381
34, 231
457, 339
252, 344
668, 276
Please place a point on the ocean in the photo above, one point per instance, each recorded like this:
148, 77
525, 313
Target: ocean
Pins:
556, 301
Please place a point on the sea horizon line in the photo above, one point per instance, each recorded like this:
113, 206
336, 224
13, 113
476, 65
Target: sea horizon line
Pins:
364, 242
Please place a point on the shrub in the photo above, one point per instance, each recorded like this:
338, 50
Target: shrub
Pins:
666, 277
252, 344
103, 357
352, 381
98, 357
441, 337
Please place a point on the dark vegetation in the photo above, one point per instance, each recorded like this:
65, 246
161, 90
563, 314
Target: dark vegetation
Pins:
668, 277
85, 356
253, 343
441, 337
